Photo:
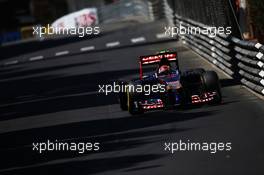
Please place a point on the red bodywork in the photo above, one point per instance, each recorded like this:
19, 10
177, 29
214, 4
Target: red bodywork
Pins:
206, 97
152, 59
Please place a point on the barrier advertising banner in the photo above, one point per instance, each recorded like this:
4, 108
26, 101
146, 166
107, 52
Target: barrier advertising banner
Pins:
83, 18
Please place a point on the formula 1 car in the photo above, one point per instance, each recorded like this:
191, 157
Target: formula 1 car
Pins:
172, 87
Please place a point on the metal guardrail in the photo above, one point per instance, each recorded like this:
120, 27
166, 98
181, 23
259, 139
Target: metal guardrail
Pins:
243, 60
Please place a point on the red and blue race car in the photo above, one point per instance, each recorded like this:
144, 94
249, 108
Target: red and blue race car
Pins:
172, 87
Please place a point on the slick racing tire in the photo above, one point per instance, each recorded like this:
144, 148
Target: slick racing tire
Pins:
133, 106
122, 97
123, 101
212, 84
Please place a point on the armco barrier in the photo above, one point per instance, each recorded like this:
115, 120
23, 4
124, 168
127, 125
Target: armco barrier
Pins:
243, 60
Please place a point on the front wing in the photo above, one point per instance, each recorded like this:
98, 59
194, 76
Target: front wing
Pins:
151, 104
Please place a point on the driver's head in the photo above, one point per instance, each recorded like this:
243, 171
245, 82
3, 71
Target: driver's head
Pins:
164, 66
164, 61
164, 69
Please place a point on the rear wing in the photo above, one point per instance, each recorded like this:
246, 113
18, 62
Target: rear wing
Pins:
155, 59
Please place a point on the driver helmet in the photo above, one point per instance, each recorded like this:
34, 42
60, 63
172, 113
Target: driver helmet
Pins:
164, 66
164, 69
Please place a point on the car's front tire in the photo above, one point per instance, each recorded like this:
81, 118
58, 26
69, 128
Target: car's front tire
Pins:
122, 96
212, 84
133, 106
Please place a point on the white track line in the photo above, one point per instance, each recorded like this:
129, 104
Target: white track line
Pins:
83, 49
62, 53
11, 62
40, 57
138, 39
161, 35
113, 44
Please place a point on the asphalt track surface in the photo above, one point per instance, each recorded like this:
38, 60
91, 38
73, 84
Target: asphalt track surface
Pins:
58, 99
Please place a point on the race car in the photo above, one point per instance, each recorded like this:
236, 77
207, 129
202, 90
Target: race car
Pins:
173, 87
